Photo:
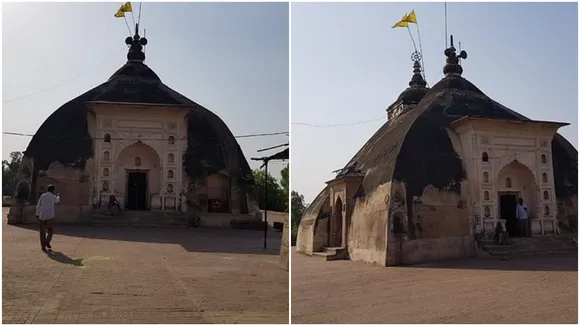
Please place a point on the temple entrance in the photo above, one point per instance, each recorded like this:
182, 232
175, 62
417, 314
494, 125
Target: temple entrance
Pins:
507, 211
136, 191
336, 225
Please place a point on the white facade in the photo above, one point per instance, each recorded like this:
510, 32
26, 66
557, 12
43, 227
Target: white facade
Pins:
506, 157
139, 141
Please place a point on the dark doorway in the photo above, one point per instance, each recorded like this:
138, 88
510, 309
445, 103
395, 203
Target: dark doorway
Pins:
137, 191
507, 211
336, 225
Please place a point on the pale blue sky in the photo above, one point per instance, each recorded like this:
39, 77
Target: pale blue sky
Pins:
348, 65
231, 58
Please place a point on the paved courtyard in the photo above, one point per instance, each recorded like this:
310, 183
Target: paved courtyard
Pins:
142, 275
530, 290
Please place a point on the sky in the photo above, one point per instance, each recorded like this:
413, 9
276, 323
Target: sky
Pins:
232, 58
349, 65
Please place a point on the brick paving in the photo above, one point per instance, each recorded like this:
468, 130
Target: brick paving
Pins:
141, 275
528, 290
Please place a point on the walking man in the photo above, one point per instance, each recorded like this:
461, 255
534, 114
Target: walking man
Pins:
522, 216
45, 214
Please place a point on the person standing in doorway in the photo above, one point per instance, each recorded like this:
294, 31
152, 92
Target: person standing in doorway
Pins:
522, 216
45, 214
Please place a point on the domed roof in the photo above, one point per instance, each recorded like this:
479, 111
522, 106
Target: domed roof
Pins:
416, 149
64, 136
417, 87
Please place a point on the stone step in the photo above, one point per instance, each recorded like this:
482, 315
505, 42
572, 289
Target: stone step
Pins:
139, 220
332, 253
529, 253
532, 246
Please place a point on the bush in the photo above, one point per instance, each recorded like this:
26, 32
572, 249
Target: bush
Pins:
6, 201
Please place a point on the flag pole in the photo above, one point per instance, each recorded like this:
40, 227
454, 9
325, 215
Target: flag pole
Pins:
421, 50
412, 39
139, 19
126, 23
446, 25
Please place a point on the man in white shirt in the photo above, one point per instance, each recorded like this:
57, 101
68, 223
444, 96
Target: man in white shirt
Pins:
522, 216
45, 214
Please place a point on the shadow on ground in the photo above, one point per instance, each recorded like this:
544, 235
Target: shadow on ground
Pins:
553, 263
64, 259
224, 240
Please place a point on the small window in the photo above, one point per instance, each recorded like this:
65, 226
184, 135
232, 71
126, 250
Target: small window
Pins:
170, 174
171, 140
484, 157
170, 158
106, 156
105, 186
547, 210
544, 159
508, 182
107, 138
485, 177
137, 161
486, 195
546, 195
486, 211
544, 178
105, 172
170, 188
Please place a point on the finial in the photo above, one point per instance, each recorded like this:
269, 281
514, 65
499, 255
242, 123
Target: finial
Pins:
452, 66
417, 79
136, 46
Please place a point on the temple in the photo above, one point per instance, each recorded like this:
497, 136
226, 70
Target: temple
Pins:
138, 140
436, 179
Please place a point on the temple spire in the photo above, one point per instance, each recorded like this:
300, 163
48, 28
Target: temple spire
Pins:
136, 44
417, 80
452, 66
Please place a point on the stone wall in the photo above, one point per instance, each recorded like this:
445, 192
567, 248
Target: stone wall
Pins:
427, 250
367, 239
284, 246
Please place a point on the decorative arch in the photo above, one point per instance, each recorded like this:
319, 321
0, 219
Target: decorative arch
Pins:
218, 193
336, 224
521, 181
398, 222
150, 164
484, 157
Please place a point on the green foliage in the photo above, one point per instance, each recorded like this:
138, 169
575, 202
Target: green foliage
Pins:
276, 200
298, 209
285, 183
10, 172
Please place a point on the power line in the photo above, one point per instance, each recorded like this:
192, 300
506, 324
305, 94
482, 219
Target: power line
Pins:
336, 125
9, 133
66, 81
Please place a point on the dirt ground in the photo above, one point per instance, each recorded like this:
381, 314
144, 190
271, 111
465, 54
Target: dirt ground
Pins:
142, 275
529, 290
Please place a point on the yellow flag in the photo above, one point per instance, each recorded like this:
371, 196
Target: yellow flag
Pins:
401, 23
410, 18
120, 13
127, 8
124, 8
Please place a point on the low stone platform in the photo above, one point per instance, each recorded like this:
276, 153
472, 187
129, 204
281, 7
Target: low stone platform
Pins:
532, 246
139, 219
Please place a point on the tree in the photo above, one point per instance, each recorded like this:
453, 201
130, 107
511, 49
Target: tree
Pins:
298, 209
276, 200
284, 182
10, 172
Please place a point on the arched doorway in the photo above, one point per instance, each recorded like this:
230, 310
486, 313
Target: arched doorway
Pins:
515, 181
218, 193
336, 225
137, 176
